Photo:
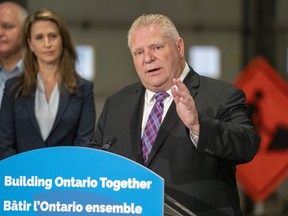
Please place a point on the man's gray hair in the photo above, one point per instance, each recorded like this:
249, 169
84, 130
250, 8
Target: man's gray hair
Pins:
167, 25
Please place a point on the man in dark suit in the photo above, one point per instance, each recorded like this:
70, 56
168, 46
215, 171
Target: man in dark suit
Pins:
205, 131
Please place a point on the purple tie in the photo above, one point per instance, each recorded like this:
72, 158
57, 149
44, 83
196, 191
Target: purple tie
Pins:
153, 124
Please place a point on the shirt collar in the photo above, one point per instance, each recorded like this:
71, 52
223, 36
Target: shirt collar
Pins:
185, 72
14, 72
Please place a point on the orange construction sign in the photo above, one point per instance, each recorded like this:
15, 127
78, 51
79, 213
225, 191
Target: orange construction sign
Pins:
267, 101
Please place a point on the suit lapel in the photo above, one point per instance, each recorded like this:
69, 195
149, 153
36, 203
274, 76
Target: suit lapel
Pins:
136, 112
30, 102
63, 103
171, 118
64, 100
192, 81
167, 125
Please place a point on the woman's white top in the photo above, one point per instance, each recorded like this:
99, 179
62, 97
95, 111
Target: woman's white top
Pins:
45, 110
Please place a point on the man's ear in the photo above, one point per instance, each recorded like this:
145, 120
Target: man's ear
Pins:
180, 46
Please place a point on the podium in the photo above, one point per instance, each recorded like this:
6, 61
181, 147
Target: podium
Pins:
80, 181
77, 181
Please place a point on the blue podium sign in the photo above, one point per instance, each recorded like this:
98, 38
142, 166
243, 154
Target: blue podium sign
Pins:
77, 181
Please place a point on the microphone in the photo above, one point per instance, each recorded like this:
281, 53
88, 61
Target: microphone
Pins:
92, 144
108, 142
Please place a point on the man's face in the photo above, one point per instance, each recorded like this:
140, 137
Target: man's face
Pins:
157, 58
10, 31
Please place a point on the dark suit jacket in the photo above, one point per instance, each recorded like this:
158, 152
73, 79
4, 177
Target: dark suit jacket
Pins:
19, 130
202, 179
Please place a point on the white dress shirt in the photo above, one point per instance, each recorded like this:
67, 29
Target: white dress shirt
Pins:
46, 111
